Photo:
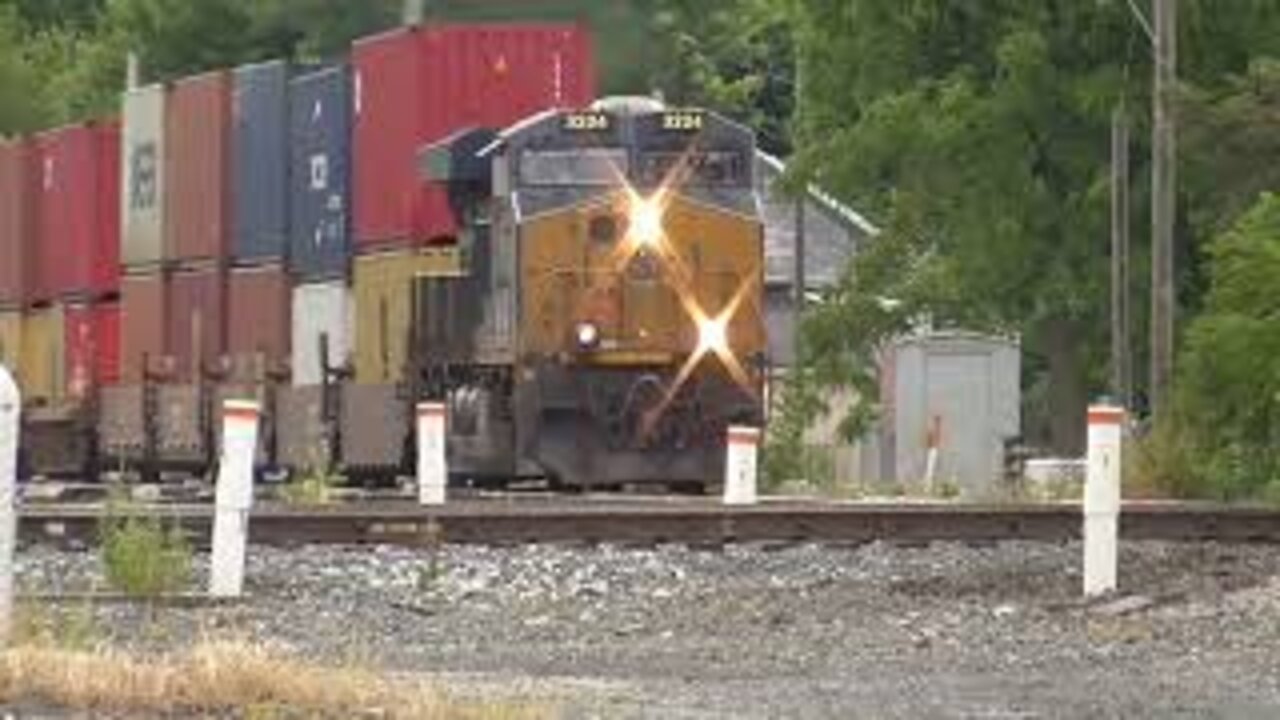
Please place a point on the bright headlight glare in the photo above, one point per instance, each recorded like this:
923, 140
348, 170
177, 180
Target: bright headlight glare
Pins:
646, 221
588, 334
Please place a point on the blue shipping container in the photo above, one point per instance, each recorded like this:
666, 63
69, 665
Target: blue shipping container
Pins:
261, 151
320, 142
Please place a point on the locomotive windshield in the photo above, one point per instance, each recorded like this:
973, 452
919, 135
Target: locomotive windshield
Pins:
579, 166
711, 168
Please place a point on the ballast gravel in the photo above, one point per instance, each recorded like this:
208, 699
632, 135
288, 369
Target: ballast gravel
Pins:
942, 630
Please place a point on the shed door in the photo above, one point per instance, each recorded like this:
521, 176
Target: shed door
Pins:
958, 400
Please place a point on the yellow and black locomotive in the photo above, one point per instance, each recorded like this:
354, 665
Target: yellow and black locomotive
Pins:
605, 325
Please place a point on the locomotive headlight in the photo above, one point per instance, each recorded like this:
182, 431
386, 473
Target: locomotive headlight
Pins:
713, 335
588, 335
646, 221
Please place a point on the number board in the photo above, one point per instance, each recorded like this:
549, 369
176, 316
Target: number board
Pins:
586, 122
682, 121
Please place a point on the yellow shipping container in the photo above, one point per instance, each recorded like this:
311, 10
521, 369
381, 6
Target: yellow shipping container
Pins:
383, 291
11, 339
41, 367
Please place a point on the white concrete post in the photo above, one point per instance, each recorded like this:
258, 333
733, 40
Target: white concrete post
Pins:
433, 468
1102, 498
10, 415
740, 467
234, 497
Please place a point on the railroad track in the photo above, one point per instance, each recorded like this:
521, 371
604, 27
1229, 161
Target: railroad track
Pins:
656, 521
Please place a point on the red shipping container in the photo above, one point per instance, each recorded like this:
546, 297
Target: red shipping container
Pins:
197, 320
416, 86
92, 346
77, 228
144, 310
16, 195
197, 168
258, 319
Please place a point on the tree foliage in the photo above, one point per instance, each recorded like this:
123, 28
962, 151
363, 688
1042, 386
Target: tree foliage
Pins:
1229, 390
978, 134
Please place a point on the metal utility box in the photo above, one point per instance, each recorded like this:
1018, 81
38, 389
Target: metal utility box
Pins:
959, 392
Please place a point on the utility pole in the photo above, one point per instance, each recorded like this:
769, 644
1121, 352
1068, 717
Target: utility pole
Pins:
1163, 186
1121, 366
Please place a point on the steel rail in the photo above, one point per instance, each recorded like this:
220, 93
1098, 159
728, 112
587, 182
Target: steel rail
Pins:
502, 522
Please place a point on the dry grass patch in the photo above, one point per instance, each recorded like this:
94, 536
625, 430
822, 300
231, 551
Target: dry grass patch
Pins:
218, 676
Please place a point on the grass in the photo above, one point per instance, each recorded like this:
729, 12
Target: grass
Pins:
141, 556
313, 486
227, 675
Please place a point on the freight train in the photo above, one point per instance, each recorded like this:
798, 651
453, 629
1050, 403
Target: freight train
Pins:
597, 322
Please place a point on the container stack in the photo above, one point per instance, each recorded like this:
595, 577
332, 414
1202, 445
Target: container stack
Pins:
240, 221
258, 288
320, 219
16, 197
144, 300
415, 86
72, 287
197, 220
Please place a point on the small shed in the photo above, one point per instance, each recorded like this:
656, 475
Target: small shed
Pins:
957, 392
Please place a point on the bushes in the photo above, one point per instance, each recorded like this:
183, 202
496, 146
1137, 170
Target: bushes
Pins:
1224, 435
141, 556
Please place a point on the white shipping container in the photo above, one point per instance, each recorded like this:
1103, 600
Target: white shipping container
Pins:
142, 182
320, 309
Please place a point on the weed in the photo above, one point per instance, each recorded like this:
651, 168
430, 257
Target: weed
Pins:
142, 557
312, 486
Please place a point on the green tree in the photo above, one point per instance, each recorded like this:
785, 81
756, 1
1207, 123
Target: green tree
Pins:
22, 98
978, 134
1229, 390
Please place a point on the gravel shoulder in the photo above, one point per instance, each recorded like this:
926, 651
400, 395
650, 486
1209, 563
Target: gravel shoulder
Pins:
944, 630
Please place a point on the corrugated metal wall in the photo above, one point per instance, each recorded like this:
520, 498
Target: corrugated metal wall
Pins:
383, 293
258, 319
15, 220
197, 320
320, 309
320, 176
260, 142
197, 164
144, 322
42, 367
11, 338
413, 87
142, 160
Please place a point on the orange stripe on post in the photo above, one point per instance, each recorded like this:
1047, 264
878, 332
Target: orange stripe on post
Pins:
744, 436
1106, 416
240, 412
431, 410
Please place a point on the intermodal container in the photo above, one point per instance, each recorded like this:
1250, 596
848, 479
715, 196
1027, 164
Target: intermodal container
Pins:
197, 172
11, 339
197, 320
78, 227
258, 318
415, 86
320, 310
142, 161
383, 294
41, 367
320, 174
16, 196
144, 324
92, 343
260, 147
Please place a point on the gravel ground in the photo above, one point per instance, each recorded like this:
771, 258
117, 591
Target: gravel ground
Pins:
753, 632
